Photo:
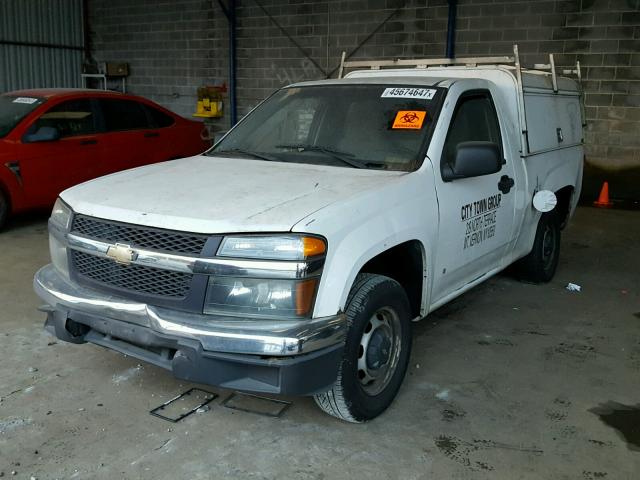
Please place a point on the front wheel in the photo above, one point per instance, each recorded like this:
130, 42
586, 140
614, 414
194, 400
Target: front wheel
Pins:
377, 350
541, 263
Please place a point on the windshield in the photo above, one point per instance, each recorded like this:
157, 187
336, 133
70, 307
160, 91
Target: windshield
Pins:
355, 126
13, 109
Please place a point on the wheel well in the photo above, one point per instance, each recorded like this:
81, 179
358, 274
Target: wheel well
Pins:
563, 207
405, 264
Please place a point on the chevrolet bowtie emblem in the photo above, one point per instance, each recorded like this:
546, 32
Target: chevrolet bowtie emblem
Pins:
121, 253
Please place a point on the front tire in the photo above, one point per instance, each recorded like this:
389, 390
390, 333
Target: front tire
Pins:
540, 265
377, 350
4, 209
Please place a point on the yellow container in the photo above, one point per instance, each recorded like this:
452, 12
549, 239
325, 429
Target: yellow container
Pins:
210, 103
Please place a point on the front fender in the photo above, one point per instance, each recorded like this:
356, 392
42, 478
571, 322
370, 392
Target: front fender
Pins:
368, 224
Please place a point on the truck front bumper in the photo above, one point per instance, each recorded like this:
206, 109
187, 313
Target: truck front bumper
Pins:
291, 357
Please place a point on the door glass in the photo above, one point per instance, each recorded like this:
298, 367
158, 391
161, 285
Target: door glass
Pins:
159, 119
71, 118
123, 115
474, 120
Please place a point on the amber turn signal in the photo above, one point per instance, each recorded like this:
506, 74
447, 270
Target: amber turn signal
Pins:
313, 246
305, 293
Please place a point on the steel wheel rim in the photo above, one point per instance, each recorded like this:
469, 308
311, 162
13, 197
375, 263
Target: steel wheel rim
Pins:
379, 351
548, 246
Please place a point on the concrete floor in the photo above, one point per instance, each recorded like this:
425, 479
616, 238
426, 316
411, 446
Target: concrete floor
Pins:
500, 386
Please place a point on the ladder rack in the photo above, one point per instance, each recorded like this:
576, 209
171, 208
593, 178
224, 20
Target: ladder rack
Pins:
510, 60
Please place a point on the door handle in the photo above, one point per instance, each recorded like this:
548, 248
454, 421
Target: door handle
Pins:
151, 134
88, 142
505, 184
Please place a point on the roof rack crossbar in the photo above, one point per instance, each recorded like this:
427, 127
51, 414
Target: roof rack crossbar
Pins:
425, 62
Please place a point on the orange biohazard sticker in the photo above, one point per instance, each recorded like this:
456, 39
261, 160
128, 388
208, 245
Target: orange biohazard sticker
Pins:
409, 119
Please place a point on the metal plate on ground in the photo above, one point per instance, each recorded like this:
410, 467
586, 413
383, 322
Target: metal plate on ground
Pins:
183, 405
246, 402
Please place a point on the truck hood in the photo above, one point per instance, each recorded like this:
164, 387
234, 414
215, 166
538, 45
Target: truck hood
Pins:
220, 195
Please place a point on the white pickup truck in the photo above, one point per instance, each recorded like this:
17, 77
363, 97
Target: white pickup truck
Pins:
292, 257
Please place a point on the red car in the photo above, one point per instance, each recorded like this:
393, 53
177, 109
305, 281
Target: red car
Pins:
53, 139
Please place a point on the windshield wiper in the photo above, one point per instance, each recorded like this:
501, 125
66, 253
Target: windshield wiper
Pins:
344, 157
241, 151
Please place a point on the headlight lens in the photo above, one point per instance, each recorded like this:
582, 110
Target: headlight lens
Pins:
260, 297
266, 297
61, 215
275, 247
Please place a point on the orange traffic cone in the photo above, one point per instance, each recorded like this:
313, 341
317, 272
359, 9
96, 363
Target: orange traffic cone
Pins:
603, 200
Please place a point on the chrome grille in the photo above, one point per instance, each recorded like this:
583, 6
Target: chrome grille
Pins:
137, 278
137, 236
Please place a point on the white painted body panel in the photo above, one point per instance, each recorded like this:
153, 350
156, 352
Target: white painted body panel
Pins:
457, 261
366, 225
547, 170
361, 213
220, 195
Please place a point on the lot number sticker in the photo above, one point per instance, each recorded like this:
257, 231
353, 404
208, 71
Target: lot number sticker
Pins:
423, 93
25, 100
409, 120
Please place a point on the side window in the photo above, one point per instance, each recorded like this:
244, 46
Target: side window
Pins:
474, 120
159, 119
122, 115
71, 118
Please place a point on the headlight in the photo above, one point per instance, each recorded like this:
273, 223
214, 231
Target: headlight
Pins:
61, 215
274, 247
260, 297
266, 297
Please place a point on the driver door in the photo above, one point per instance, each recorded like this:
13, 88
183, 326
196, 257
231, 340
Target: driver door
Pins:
477, 213
50, 167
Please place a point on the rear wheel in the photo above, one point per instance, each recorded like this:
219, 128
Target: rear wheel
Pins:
376, 352
541, 263
4, 209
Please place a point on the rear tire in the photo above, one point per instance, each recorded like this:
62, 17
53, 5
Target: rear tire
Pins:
377, 350
540, 265
4, 209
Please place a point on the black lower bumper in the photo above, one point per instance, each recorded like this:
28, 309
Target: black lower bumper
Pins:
298, 375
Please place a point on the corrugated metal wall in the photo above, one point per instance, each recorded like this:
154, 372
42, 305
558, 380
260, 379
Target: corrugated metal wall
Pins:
40, 43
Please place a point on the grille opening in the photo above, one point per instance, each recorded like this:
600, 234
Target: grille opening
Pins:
138, 278
139, 236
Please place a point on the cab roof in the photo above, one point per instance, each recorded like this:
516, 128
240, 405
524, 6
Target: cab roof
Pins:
58, 92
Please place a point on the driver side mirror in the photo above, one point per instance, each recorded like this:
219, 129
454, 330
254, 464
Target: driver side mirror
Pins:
43, 134
473, 159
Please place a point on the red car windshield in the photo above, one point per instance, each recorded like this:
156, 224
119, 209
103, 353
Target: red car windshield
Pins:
13, 109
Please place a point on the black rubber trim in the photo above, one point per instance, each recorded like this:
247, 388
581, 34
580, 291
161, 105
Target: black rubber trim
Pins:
306, 374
